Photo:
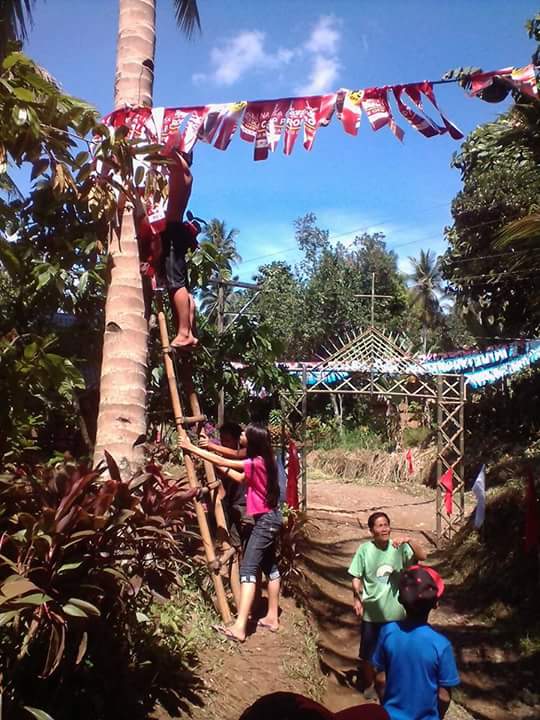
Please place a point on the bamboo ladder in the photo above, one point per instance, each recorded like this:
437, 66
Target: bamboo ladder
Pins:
229, 555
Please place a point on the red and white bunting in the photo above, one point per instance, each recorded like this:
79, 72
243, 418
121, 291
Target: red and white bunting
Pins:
427, 89
265, 122
522, 79
262, 124
349, 109
375, 104
229, 123
424, 125
317, 113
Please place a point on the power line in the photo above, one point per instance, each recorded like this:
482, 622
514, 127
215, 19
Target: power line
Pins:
363, 228
496, 275
391, 247
496, 255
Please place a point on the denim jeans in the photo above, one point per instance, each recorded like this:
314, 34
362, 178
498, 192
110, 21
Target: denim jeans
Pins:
260, 553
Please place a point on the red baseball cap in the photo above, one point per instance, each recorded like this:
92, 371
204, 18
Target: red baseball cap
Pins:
420, 583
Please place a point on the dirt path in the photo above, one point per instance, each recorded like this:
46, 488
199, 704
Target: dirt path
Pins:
234, 675
339, 523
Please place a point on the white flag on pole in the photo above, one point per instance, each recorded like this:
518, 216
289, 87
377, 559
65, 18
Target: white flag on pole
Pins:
479, 490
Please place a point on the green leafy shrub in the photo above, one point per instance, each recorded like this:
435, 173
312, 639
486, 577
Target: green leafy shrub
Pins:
414, 437
293, 532
82, 560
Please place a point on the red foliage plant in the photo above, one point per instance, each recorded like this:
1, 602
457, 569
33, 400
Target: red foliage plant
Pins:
78, 551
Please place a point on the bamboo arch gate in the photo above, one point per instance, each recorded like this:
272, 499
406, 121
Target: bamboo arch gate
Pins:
375, 364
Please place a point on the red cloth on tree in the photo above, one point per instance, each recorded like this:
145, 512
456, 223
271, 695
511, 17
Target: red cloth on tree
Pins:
293, 471
410, 466
447, 481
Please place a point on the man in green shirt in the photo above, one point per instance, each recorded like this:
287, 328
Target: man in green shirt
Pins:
375, 570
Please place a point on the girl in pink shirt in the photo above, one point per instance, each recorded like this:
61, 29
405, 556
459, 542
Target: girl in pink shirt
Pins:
260, 474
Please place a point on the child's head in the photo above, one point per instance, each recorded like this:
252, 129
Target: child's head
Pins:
229, 435
420, 588
379, 526
258, 440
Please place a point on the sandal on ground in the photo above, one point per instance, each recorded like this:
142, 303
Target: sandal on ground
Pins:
227, 633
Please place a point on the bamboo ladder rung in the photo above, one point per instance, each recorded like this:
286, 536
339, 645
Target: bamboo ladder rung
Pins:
189, 420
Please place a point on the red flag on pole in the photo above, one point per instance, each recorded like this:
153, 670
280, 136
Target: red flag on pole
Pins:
532, 519
447, 482
293, 470
410, 466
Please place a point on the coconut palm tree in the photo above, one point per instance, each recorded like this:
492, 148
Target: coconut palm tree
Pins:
15, 19
121, 417
224, 240
426, 290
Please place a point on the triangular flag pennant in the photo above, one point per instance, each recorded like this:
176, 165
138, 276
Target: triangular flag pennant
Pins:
532, 519
410, 466
479, 490
447, 482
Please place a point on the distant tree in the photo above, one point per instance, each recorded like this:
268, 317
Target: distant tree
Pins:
426, 290
315, 306
280, 305
224, 242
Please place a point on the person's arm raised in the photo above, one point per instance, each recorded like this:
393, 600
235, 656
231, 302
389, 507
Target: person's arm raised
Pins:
230, 453
180, 182
212, 457
419, 552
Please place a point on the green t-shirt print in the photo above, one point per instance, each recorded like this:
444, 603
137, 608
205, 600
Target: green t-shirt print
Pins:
379, 572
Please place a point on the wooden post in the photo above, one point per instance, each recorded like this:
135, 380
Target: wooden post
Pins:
220, 328
213, 563
439, 499
221, 522
304, 450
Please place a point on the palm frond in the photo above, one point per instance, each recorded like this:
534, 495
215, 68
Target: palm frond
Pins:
187, 16
525, 230
15, 21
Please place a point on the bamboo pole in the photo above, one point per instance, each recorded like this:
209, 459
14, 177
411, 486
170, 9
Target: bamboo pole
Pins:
213, 563
221, 522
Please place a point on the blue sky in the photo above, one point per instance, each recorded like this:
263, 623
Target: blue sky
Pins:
253, 49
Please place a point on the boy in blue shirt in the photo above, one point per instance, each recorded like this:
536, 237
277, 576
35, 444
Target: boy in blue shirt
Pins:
414, 664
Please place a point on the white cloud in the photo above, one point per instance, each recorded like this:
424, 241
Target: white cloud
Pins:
322, 77
243, 54
325, 36
247, 53
323, 47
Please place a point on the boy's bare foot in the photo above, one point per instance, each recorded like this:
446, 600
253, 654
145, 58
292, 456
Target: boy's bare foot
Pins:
185, 342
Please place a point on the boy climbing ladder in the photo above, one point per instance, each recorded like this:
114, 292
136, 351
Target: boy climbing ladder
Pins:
164, 253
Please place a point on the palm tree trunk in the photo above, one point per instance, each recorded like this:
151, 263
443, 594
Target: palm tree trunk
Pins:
122, 417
